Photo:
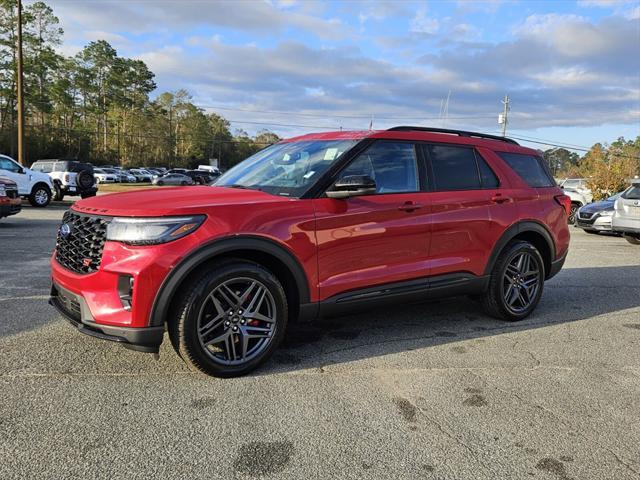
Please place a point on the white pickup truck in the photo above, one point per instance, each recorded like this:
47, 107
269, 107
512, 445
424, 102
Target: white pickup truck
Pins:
580, 194
32, 185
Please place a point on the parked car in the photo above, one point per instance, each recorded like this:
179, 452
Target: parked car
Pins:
578, 200
102, 176
10, 201
173, 179
596, 217
210, 168
201, 177
36, 186
626, 219
142, 176
316, 225
579, 185
177, 170
70, 177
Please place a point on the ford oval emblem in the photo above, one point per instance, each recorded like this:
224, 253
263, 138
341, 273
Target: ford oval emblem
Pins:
65, 230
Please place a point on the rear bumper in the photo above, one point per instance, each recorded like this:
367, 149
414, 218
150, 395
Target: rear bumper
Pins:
73, 190
626, 225
557, 265
74, 308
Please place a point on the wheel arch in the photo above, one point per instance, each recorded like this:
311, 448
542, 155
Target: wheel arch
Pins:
531, 231
40, 183
271, 255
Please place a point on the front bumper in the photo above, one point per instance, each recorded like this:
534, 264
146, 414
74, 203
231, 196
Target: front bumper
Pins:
596, 222
10, 206
74, 308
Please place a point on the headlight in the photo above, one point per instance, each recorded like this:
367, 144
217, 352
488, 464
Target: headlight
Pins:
607, 213
3, 191
150, 231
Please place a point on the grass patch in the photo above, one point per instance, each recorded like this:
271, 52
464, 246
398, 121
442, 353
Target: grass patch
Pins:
123, 187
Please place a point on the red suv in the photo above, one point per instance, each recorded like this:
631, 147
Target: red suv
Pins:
316, 225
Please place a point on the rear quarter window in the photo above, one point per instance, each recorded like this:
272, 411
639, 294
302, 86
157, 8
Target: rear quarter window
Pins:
530, 168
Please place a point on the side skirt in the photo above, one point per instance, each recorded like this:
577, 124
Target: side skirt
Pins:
412, 291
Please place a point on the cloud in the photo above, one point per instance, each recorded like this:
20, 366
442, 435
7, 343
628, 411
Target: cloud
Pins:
602, 3
421, 23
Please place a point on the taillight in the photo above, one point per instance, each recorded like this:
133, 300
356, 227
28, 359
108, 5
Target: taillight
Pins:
67, 177
565, 202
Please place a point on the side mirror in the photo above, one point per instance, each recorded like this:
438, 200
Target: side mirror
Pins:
352, 186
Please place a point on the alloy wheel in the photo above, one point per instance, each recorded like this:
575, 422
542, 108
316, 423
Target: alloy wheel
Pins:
237, 321
41, 196
521, 282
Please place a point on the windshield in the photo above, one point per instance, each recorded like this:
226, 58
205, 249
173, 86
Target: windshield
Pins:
632, 193
287, 169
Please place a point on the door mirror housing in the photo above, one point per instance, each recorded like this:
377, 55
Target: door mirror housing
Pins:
352, 186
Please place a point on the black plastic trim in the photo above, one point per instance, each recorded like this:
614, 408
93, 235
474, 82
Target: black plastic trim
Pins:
218, 247
460, 133
514, 230
410, 291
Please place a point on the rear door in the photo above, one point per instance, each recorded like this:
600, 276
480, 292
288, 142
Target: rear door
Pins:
469, 209
381, 238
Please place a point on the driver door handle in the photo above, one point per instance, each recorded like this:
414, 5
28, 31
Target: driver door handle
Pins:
409, 206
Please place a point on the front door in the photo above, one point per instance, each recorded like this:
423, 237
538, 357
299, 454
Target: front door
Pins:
15, 172
380, 238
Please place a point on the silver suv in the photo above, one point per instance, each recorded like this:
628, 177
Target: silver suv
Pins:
626, 219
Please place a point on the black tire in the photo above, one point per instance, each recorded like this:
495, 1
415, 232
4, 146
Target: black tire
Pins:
192, 301
183, 183
572, 213
40, 196
160, 182
493, 301
632, 240
84, 180
58, 194
592, 232
87, 194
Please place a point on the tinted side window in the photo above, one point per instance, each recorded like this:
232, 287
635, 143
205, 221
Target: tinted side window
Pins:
41, 167
529, 168
454, 168
488, 178
8, 165
392, 165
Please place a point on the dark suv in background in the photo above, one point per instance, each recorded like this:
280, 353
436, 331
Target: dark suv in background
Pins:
70, 177
322, 224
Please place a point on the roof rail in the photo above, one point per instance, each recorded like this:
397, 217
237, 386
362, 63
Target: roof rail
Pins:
460, 133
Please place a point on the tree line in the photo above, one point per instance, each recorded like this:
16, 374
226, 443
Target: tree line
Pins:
608, 167
96, 105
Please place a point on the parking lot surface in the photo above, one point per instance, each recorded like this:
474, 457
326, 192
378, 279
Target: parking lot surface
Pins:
436, 390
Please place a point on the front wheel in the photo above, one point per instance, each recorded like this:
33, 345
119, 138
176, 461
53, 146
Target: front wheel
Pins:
40, 196
632, 240
516, 282
230, 319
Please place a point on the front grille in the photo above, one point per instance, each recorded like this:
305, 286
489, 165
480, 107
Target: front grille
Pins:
585, 215
12, 193
80, 248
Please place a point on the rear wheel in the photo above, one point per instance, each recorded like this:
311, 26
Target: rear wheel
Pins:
183, 183
230, 319
572, 213
40, 196
160, 182
516, 283
632, 240
58, 194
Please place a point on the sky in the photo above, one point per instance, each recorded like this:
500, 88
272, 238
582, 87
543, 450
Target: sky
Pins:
571, 68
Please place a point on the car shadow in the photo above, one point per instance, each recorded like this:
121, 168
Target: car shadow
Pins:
574, 294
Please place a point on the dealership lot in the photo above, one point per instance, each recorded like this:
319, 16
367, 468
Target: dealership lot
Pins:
426, 391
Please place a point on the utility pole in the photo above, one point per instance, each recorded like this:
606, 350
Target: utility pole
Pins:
505, 115
20, 93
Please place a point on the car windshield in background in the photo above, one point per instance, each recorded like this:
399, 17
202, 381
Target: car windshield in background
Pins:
632, 193
287, 169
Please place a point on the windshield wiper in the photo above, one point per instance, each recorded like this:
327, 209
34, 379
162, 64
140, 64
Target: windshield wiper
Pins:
237, 185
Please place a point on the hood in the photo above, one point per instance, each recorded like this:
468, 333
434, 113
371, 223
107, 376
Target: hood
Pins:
171, 201
598, 206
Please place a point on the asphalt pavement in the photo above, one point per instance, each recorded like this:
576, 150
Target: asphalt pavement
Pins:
437, 390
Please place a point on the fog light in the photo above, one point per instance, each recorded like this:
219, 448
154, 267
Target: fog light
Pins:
125, 291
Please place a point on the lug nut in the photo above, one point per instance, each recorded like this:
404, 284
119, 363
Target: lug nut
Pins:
235, 329
226, 324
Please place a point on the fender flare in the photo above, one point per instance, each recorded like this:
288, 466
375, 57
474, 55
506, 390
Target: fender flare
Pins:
513, 231
218, 247
40, 182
